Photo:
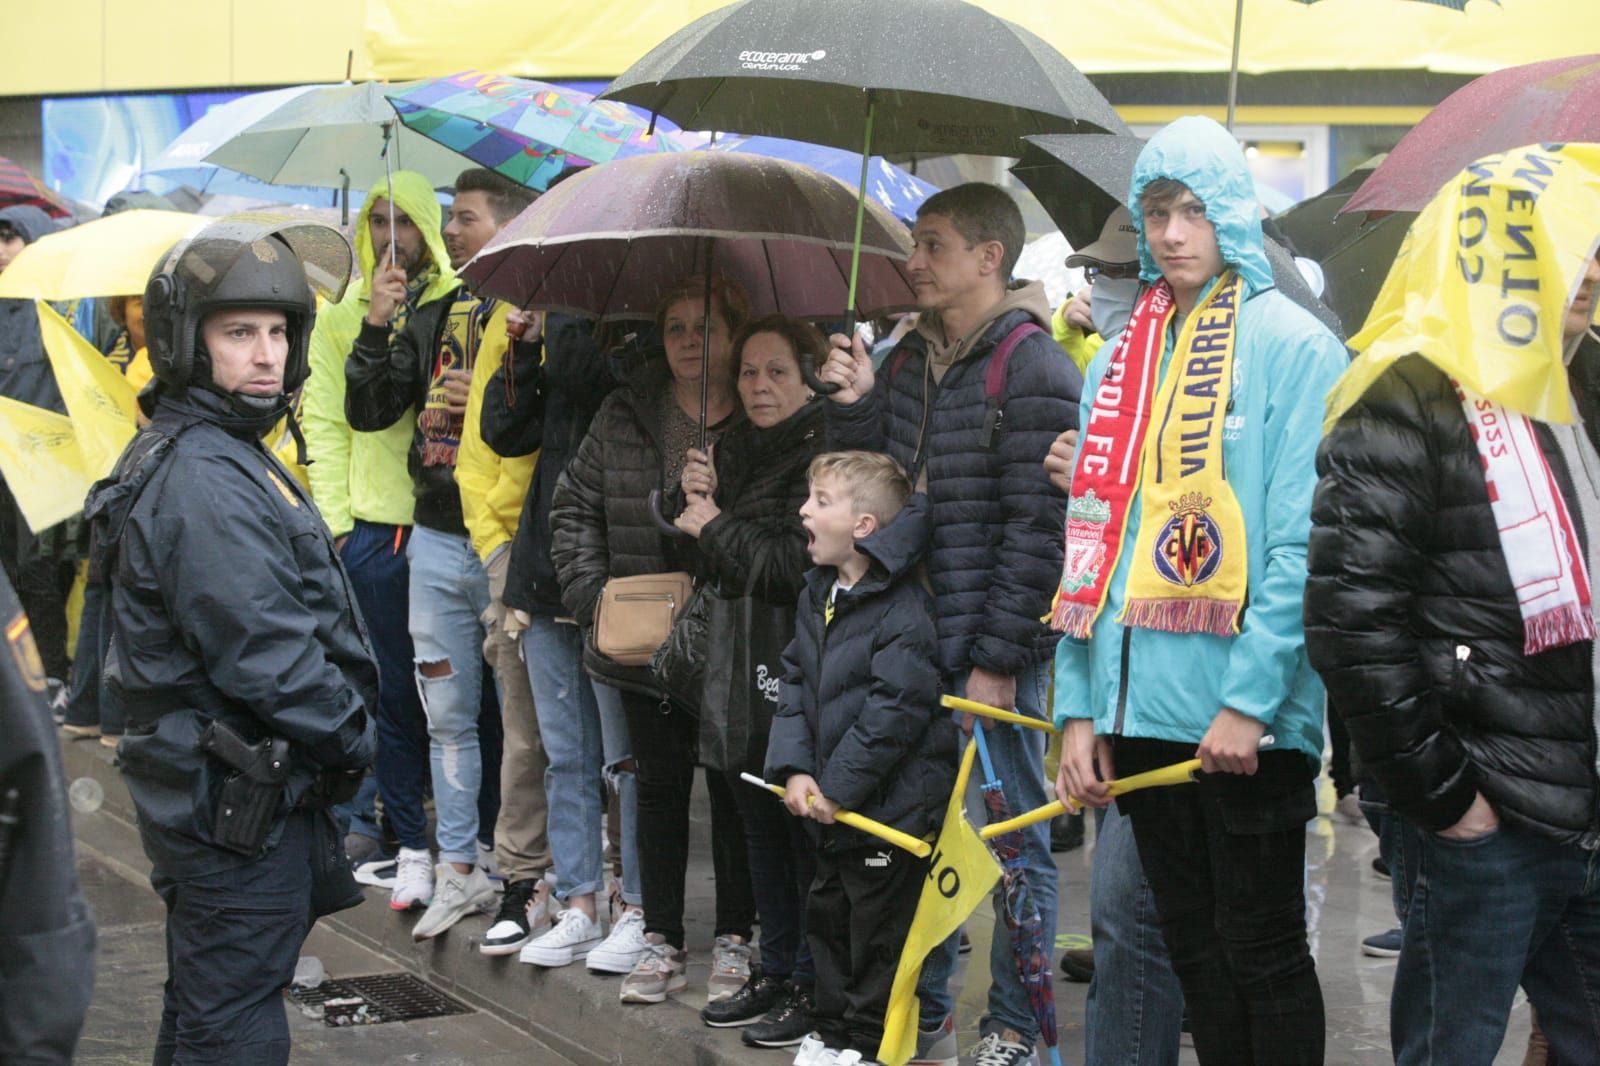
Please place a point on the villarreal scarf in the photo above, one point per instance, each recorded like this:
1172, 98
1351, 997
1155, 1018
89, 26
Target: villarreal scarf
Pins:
1163, 444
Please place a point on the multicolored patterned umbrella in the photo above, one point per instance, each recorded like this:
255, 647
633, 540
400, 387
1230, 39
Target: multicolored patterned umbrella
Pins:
527, 130
17, 186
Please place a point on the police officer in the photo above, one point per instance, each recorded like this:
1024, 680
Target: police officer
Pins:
235, 642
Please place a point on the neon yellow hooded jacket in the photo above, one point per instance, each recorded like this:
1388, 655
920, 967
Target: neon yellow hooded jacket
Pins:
364, 475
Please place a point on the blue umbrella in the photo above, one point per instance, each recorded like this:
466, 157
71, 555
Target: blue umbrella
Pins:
894, 187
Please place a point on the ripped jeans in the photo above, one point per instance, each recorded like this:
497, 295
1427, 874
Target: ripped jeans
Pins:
585, 737
449, 594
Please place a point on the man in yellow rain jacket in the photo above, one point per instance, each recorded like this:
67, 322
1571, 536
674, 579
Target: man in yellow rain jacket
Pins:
425, 371
361, 485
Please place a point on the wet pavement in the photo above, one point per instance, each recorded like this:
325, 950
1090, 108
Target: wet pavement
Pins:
535, 1017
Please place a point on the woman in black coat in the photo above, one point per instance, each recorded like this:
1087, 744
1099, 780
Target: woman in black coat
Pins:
743, 509
602, 528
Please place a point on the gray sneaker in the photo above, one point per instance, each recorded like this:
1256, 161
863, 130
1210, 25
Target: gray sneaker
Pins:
455, 895
660, 970
937, 1046
730, 967
1005, 1048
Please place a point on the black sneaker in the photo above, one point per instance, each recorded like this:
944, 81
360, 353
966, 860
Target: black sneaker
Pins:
755, 997
786, 1024
1077, 965
964, 945
510, 929
1066, 832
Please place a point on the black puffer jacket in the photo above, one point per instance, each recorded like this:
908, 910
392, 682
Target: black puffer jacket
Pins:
1413, 623
860, 709
757, 546
543, 399
600, 521
228, 601
995, 555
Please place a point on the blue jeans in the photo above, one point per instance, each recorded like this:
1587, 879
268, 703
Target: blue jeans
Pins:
585, 737
1018, 756
375, 559
449, 593
1483, 917
1135, 1007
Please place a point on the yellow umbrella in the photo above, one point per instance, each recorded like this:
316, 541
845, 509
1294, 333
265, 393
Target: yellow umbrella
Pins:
111, 256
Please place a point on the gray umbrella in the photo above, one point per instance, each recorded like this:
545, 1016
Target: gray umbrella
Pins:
1080, 180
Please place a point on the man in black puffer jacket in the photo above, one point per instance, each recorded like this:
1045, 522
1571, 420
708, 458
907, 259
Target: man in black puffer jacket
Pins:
1460, 650
975, 396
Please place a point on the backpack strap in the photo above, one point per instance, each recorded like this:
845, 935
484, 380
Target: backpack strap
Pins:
994, 378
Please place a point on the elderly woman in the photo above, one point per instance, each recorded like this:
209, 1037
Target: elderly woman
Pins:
743, 510
602, 528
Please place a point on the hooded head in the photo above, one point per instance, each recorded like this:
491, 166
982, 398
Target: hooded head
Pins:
21, 225
1484, 280
1200, 154
414, 196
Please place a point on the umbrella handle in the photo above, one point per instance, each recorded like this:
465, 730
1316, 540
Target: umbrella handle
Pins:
808, 362
660, 520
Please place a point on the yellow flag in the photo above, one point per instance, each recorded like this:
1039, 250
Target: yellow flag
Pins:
41, 462
960, 874
102, 403
1483, 281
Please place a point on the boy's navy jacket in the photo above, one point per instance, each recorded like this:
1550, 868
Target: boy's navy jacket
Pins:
860, 710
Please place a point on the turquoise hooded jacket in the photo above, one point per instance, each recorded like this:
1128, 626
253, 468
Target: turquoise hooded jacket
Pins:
1169, 686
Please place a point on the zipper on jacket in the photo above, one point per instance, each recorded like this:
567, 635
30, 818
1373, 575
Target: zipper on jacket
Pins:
1458, 672
1122, 682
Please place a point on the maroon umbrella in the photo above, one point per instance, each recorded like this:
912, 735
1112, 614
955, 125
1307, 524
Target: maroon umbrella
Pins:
611, 240
1555, 101
17, 186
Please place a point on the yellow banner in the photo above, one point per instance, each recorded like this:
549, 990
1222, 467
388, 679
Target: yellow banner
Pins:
1483, 280
102, 403
41, 462
960, 873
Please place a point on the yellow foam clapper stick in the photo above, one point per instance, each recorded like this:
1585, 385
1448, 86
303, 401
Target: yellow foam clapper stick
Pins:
920, 848
957, 703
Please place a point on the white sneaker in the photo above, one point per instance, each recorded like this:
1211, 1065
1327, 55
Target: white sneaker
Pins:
413, 879
813, 1052
456, 896
570, 939
621, 950
379, 873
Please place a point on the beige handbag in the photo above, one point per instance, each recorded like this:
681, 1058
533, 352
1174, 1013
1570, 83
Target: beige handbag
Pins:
635, 614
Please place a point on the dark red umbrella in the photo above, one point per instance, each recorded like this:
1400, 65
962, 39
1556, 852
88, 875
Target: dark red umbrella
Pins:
17, 186
1556, 101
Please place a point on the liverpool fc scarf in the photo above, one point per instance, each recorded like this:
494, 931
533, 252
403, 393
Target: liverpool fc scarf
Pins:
1536, 533
1163, 444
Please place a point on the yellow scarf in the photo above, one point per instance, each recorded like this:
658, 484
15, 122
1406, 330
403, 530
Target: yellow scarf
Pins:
1189, 565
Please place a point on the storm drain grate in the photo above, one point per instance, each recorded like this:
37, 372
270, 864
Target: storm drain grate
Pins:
375, 999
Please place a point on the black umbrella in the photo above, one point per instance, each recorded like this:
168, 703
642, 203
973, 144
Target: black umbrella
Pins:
1314, 226
1356, 269
1081, 180
936, 78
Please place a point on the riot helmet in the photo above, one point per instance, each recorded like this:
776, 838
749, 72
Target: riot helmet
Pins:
253, 260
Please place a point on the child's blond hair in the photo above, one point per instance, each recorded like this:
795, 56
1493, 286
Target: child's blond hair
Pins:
875, 483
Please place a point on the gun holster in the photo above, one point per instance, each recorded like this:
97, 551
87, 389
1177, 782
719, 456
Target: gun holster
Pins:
247, 805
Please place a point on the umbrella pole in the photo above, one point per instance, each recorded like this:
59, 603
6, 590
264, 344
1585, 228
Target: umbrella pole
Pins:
1233, 69
388, 178
808, 363
705, 349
